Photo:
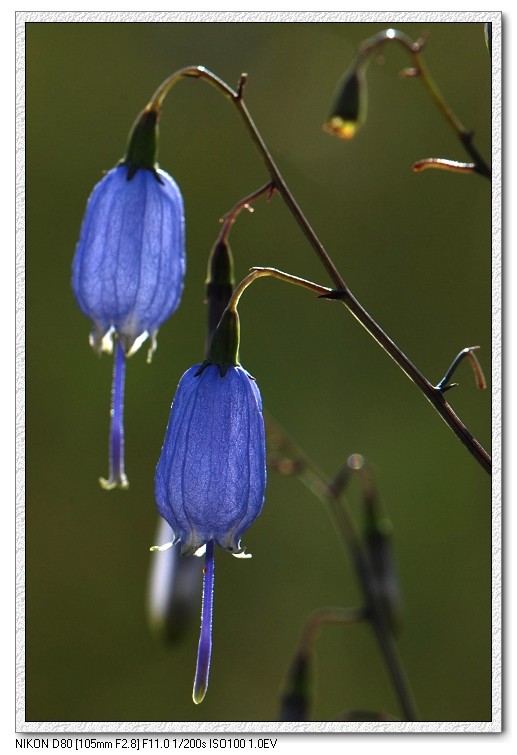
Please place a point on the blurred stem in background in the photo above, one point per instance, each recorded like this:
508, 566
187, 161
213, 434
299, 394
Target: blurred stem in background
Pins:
375, 575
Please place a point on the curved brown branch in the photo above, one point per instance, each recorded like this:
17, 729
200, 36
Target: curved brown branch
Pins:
342, 292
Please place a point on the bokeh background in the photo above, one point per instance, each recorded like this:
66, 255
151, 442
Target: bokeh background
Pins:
416, 251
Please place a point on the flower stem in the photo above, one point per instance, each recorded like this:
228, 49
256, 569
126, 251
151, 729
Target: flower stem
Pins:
117, 477
342, 292
421, 70
243, 204
272, 272
204, 651
200, 72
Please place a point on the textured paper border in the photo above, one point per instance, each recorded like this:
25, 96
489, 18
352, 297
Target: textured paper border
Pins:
170, 727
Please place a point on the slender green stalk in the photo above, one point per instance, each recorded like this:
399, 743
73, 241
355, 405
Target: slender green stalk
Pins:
272, 272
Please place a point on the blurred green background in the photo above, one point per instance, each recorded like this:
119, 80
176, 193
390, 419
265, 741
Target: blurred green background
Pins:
416, 251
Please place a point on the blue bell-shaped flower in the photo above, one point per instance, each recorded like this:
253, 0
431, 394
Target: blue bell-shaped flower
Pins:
211, 476
129, 264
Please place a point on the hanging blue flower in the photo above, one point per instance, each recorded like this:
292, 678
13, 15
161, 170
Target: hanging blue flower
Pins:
129, 264
211, 476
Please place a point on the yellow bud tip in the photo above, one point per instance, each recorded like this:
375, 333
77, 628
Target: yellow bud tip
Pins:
342, 129
198, 694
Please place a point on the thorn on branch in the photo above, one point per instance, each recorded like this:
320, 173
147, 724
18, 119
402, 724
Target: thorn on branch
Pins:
479, 377
445, 388
335, 294
240, 86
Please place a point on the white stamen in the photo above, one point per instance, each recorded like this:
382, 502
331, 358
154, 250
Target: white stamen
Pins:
161, 547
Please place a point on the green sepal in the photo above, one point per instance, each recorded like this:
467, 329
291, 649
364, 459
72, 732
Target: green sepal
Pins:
348, 100
142, 147
224, 346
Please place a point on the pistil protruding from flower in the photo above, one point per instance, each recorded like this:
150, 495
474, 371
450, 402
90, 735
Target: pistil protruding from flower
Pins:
204, 651
117, 477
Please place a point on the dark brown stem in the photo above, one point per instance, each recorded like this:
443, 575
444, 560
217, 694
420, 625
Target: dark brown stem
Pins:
433, 394
342, 292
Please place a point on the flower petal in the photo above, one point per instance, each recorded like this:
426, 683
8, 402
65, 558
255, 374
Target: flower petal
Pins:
211, 476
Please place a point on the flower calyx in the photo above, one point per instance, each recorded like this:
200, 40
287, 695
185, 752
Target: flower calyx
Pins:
224, 346
142, 147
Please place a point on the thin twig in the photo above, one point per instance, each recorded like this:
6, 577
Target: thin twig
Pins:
244, 204
442, 163
479, 377
342, 292
431, 392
